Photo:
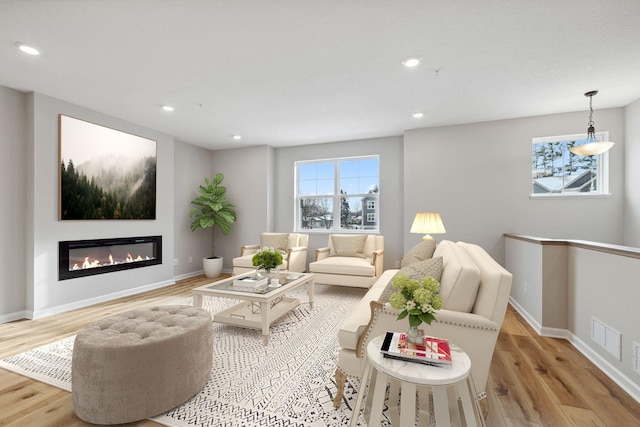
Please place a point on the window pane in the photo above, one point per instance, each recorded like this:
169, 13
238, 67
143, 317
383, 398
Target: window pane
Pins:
349, 185
556, 170
324, 205
316, 213
351, 213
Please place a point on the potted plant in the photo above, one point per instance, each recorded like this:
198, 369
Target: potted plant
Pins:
212, 209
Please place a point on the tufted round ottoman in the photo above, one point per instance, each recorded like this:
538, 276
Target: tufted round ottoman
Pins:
140, 363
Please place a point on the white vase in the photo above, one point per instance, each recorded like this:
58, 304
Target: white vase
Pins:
212, 266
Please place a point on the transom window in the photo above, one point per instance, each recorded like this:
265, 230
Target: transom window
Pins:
556, 171
338, 194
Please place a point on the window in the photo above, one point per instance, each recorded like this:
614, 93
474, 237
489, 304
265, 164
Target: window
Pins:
338, 194
557, 172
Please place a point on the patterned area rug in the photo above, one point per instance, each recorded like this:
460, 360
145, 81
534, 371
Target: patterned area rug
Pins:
288, 382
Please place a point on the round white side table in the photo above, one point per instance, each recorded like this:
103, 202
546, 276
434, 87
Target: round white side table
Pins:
410, 375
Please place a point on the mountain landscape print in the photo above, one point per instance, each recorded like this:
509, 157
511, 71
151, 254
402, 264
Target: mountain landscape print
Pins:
105, 173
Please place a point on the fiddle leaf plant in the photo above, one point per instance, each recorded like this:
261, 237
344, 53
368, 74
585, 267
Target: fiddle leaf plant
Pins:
212, 208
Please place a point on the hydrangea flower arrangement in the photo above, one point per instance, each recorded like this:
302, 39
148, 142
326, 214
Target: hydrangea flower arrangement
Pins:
417, 299
267, 259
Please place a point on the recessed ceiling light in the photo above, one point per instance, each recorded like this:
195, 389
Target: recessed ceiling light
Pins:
237, 137
412, 61
417, 115
167, 108
28, 49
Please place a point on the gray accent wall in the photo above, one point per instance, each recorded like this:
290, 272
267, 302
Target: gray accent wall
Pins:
191, 165
478, 176
631, 150
14, 190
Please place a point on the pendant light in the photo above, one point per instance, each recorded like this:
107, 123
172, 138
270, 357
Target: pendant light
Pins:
592, 147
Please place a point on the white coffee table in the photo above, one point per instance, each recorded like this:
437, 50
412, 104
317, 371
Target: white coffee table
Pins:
410, 375
258, 309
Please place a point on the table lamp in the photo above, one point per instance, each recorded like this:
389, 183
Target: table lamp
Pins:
427, 223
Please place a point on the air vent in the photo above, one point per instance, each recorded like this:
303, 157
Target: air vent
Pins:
636, 357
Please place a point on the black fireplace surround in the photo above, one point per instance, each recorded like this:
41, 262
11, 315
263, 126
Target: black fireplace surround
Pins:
80, 258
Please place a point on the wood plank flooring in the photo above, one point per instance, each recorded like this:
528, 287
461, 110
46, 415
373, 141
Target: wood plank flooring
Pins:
534, 381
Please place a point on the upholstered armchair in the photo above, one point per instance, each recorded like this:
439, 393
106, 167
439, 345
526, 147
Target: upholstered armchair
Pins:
293, 247
354, 260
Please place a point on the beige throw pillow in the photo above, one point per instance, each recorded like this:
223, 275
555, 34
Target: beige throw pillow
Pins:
278, 241
416, 271
420, 252
348, 245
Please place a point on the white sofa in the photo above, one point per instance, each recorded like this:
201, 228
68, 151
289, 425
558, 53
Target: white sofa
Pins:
293, 247
475, 290
354, 260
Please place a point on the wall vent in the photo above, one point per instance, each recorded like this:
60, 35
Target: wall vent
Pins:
636, 357
607, 337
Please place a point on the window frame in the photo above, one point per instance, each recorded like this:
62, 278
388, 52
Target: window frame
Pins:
602, 169
336, 197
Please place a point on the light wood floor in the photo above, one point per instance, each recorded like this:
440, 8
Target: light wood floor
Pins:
534, 381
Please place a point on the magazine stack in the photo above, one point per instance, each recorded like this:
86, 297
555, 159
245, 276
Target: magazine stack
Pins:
433, 351
251, 283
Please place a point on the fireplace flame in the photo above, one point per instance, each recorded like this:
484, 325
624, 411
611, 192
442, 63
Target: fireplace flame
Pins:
88, 263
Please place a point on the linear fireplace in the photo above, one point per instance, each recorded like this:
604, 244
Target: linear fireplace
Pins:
81, 258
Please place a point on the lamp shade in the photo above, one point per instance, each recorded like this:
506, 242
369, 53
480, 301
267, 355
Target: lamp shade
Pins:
427, 223
592, 148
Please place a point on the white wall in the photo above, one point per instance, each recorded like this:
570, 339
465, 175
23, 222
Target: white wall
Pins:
632, 175
47, 295
478, 176
191, 165
391, 193
13, 187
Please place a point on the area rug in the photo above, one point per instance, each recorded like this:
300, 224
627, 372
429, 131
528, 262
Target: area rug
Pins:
288, 382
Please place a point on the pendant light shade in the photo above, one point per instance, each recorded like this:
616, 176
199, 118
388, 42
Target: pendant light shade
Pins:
592, 147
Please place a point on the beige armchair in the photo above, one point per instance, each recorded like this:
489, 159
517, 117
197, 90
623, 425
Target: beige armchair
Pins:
349, 260
293, 247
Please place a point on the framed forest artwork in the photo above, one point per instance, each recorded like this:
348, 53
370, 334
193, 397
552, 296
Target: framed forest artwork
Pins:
104, 173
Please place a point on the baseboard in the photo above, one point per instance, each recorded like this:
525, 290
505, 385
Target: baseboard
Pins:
103, 298
526, 316
188, 275
601, 363
11, 317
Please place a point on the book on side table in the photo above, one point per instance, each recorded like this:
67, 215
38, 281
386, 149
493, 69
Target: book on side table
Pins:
434, 351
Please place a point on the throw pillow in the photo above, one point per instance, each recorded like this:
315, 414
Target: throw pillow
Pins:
348, 245
278, 241
417, 271
420, 252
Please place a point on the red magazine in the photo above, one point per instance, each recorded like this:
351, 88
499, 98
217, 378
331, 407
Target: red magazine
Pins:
432, 351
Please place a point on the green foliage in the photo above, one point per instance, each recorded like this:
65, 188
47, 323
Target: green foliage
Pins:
132, 196
267, 258
212, 207
419, 300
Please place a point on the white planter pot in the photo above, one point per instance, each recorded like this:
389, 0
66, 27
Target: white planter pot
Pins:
212, 266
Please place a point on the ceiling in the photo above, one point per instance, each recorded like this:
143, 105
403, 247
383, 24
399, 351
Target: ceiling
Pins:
293, 72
